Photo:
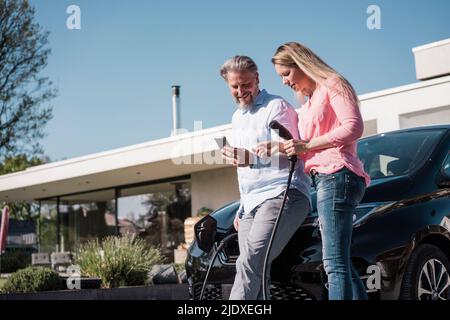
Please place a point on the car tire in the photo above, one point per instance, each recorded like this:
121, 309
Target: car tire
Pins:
418, 283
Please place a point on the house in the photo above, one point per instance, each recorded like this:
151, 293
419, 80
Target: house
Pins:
91, 196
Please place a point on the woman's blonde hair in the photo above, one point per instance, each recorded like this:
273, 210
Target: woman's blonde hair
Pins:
294, 54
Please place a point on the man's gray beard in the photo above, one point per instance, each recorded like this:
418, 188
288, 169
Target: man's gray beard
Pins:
245, 106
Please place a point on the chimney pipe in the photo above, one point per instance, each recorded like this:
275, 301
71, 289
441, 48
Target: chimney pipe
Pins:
176, 109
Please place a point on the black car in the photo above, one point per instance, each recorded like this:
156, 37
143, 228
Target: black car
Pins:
401, 230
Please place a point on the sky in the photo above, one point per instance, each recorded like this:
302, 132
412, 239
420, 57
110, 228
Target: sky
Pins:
114, 75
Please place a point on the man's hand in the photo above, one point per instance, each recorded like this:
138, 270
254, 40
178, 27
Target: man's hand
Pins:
236, 223
268, 148
238, 157
294, 147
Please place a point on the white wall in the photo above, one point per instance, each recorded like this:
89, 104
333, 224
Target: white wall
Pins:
213, 188
426, 117
370, 127
423, 103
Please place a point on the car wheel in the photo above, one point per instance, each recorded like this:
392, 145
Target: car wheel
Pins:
427, 275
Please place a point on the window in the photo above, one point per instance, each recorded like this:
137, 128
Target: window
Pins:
446, 166
47, 227
396, 154
156, 212
86, 216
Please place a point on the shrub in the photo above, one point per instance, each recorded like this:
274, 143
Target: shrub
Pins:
118, 261
14, 260
203, 211
179, 267
32, 279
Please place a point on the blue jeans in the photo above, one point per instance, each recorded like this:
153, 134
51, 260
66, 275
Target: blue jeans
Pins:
255, 229
338, 194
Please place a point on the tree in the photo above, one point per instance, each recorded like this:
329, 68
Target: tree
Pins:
18, 163
20, 210
23, 92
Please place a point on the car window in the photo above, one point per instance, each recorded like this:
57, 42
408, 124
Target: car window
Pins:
396, 154
446, 165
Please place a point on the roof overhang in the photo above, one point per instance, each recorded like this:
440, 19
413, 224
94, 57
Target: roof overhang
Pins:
171, 157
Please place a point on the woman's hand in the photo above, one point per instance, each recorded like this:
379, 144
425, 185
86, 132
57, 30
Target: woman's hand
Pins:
268, 148
238, 157
295, 147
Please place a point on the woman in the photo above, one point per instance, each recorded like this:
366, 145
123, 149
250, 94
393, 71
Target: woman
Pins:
330, 124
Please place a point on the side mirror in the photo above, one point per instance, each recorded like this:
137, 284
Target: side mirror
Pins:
205, 233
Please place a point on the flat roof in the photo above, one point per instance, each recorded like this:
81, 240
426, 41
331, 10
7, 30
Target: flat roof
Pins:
404, 88
432, 45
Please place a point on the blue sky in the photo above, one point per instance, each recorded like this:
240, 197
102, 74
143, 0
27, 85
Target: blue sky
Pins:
114, 76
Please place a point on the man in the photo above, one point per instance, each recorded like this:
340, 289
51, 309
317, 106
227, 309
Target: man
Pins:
262, 181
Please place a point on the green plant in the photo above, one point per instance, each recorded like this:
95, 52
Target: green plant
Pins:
32, 279
2, 283
118, 261
179, 267
203, 211
14, 260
